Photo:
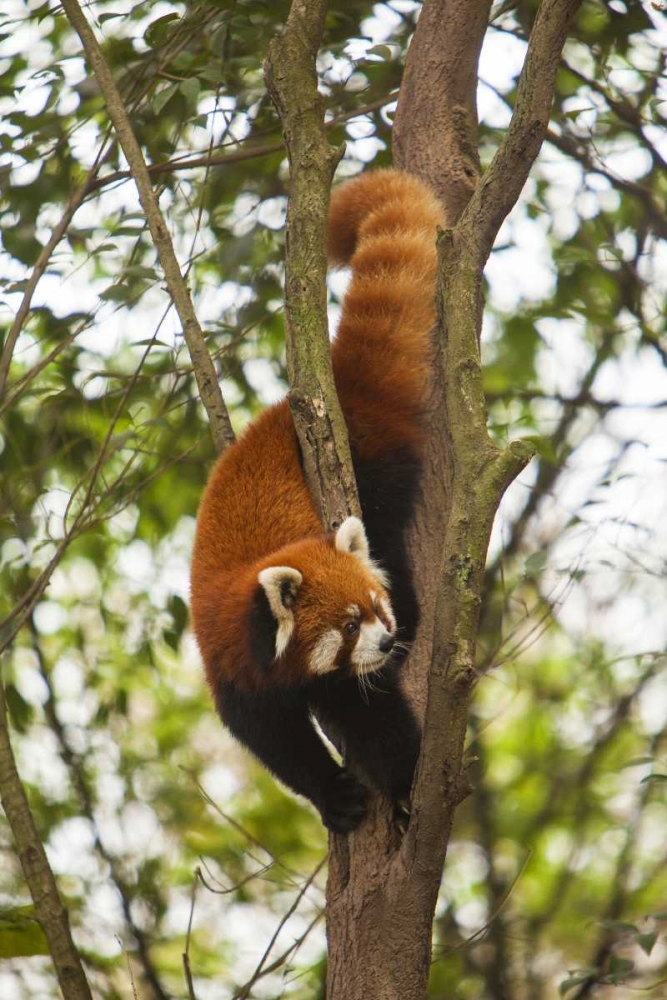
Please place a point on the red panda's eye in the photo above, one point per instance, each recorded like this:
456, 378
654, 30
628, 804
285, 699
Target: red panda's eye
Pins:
351, 628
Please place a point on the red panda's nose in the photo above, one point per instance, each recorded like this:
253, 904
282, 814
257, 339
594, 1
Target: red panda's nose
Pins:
387, 644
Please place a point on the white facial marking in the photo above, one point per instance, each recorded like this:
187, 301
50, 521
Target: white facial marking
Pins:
323, 657
283, 636
281, 585
385, 607
367, 655
388, 613
353, 611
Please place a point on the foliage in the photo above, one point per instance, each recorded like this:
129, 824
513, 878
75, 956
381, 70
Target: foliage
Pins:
557, 873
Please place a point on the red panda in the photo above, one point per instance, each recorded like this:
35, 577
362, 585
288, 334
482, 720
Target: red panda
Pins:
292, 623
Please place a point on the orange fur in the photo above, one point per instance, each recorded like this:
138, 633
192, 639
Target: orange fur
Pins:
256, 510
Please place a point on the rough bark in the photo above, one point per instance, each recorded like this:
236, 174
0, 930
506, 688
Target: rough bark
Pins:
435, 137
381, 900
381, 913
49, 908
435, 128
382, 888
318, 419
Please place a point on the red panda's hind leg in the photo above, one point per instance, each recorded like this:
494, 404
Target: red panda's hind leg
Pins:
378, 728
275, 726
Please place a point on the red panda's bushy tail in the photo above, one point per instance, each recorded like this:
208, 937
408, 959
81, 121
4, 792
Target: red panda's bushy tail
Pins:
383, 223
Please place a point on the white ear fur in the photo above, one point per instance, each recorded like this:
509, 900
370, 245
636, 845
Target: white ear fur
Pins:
351, 537
281, 586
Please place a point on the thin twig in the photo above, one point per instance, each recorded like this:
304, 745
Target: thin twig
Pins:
59, 230
186, 953
244, 991
81, 785
243, 152
501, 185
211, 396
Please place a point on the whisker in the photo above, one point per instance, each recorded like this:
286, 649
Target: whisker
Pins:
361, 680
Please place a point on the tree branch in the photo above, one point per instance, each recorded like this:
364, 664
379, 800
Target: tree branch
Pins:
49, 908
438, 99
261, 970
481, 475
248, 151
292, 83
73, 204
221, 428
503, 182
76, 768
440, 80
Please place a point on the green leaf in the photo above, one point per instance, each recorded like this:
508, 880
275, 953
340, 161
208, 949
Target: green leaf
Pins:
190, 89
116, 293
139, 271
20, 934
570, 983
636, 761
161, 100
179, 611
20, 242
618, 925
620, 966
646, 941
20, 710
157, 31
536, 563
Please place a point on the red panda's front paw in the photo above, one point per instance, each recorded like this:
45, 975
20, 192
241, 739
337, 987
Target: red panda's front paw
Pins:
346, 803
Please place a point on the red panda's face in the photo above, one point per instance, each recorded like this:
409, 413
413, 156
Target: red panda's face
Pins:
331, 607
357, 636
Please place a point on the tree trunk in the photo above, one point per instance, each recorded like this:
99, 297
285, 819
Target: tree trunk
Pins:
382, 894
382, 888
380, 907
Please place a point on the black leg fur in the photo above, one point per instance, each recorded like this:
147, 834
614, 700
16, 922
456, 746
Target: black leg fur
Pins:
276, 726
377, 728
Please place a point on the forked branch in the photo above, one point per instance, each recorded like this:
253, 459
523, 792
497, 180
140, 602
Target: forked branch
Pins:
480, 471
292, 83
501, 185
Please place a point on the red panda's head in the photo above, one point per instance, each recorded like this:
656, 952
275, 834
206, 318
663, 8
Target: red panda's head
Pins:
329, 606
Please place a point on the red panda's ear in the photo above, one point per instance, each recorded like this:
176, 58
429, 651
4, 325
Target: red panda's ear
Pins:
281, 586
351, 537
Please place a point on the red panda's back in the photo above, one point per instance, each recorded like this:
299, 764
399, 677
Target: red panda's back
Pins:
256, 500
